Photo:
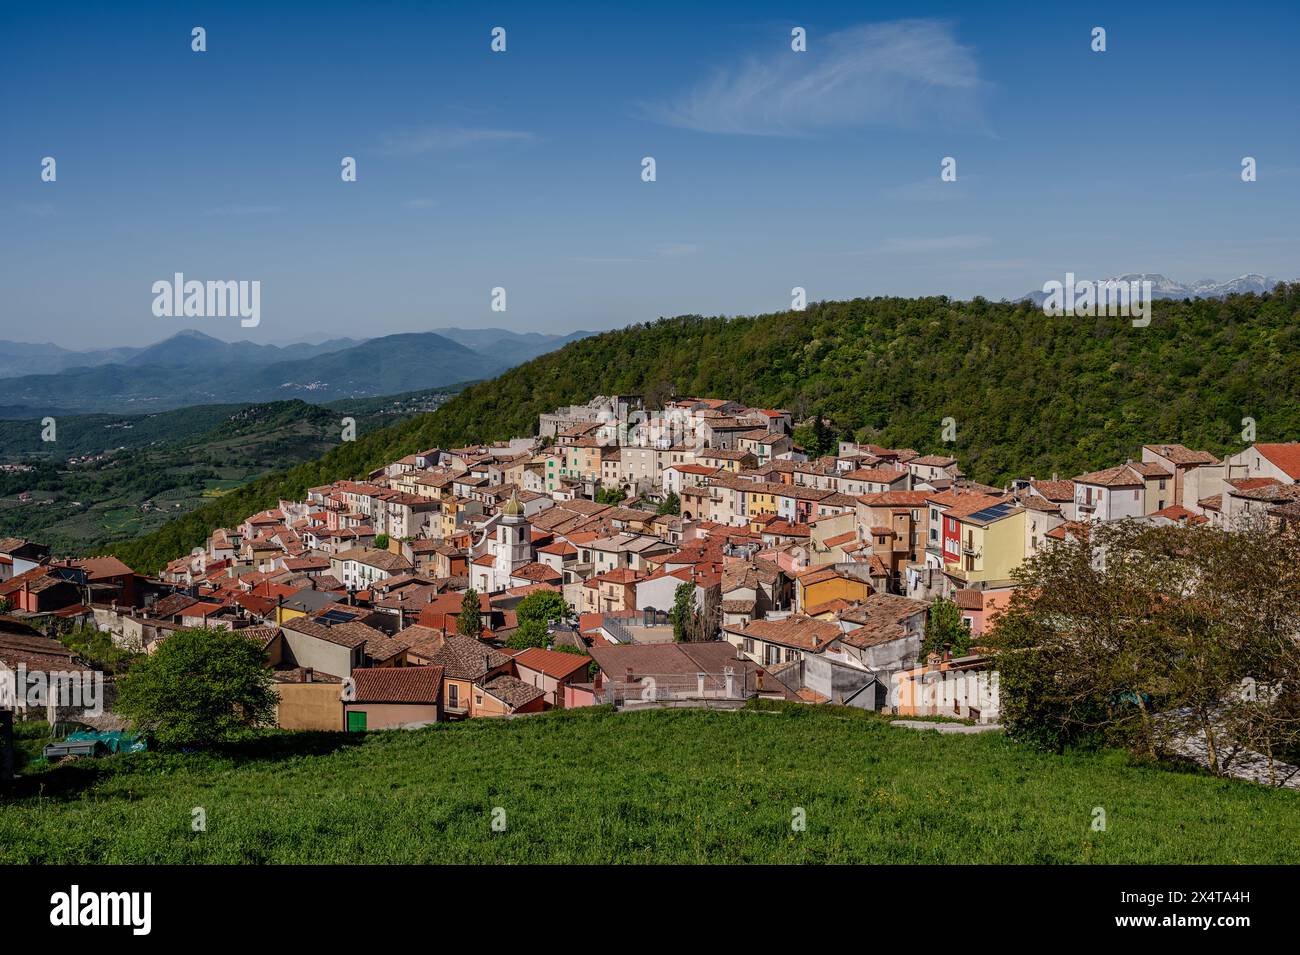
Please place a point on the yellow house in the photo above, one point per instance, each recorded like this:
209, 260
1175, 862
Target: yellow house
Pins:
819, 585
992, 544
760, 502
581, 460
283, 614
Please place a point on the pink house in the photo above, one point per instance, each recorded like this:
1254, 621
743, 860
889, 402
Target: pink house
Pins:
980, 607
551, 672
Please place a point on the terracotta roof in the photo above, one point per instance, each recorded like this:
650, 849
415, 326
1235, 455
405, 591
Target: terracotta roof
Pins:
1180, 514
1179, 454
1055, 490
877, 475
350, 634
551, 662
541, 573
464, 658
512, 691
1121, 476
1151, 469
398, 684
1252, 484
799, 632
896, 498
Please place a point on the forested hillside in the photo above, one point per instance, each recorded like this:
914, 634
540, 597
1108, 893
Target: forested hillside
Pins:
1030, 394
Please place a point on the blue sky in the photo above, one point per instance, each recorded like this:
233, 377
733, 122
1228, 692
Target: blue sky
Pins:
522, 169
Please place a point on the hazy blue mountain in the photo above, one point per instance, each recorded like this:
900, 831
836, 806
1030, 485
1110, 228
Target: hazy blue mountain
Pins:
186, 348
25, 358
513, 347
190, 348
192, 368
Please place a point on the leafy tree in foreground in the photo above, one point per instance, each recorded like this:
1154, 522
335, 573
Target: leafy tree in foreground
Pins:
199, 687
1159, 638
672, 504
469, 622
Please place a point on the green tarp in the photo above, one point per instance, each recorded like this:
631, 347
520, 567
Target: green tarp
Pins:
114, 742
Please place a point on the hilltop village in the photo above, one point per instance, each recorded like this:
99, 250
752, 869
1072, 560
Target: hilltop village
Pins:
697, 554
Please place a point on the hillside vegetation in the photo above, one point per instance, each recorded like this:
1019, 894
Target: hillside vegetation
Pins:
112, 476
1031, 395
593, 786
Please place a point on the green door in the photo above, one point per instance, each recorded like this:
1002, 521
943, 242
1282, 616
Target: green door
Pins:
356, 721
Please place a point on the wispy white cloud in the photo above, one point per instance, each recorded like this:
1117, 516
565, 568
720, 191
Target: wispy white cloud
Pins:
901, 73
416, 142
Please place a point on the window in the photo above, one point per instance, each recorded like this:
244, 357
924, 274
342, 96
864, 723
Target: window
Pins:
453, 695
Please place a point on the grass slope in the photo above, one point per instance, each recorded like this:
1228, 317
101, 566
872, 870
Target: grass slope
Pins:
691, 786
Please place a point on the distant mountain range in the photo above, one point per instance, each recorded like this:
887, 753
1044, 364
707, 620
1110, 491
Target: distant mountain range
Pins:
1162, 287
183, 348
192, 368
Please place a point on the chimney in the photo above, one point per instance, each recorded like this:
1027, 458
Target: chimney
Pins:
628, 675
307, 674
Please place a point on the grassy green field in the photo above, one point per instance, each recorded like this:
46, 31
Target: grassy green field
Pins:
668, 786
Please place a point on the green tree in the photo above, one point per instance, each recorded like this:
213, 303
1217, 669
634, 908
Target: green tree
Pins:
945, 630
672, 504
469, 622
610, 495
544, 606
98, 648
381, 542
529, 633
683, 612
199, 687
1150, 637
822, 436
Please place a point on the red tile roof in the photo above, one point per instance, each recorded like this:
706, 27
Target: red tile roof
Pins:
551, 662
1284, 456
398, 684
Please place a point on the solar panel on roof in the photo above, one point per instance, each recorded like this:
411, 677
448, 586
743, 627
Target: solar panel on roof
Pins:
989, 513
338, 616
